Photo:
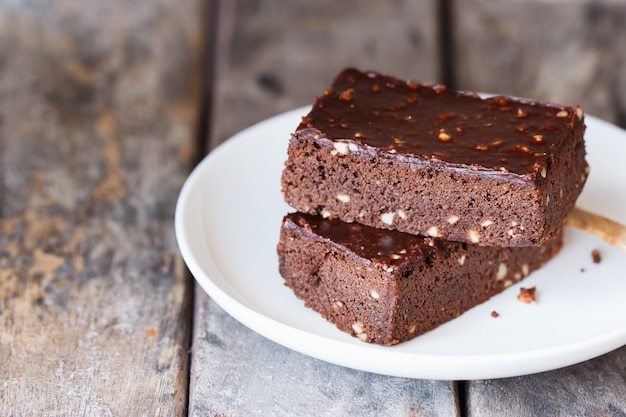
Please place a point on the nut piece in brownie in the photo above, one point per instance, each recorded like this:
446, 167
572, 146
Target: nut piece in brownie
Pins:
385, 286
428, 160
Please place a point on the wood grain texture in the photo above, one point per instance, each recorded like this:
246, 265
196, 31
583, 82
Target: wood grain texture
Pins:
275, 55
98, 106
236, 372
563, 51
593, 388
573, 53
272, 56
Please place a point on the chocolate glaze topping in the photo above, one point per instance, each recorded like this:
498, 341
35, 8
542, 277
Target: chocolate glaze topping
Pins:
433, 122
383, 247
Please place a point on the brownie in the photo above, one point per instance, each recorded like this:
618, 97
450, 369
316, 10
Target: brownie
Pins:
385, 286
428, 160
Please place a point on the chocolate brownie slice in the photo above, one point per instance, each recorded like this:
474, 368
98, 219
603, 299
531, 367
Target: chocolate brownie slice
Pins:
384, 286
427, 160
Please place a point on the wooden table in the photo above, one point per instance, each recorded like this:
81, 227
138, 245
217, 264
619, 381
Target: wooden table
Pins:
105, 109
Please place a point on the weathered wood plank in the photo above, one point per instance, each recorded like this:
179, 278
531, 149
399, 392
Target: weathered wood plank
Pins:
593, 388
236, 372
276, 55
98, 105
573, 53
563, 51
273, 56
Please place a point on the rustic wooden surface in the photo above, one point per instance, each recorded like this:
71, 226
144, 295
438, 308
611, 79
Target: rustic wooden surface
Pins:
568, 52
264, 53
236, 372
99, 107
593, 388
97, 111
274, 55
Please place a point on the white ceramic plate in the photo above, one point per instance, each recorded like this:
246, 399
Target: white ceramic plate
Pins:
227, 225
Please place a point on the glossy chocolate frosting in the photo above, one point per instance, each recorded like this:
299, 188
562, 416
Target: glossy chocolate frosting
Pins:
437, 123
381, 246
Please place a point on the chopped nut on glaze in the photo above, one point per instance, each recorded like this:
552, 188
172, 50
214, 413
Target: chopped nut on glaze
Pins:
443, 136
446, 116
522, 148
346, 95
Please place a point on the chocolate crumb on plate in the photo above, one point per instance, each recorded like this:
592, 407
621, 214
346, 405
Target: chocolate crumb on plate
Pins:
527, 295
595, 255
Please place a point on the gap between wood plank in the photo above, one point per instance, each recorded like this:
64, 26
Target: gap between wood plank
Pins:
211, 22
445, 23
460, 390
210, 18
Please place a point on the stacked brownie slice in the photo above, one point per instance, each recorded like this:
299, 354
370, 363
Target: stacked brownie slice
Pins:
416, 203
